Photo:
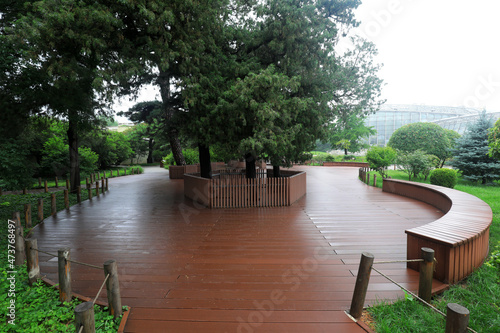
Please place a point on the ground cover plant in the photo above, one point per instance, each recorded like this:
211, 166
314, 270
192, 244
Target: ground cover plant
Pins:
37, 307
479, 293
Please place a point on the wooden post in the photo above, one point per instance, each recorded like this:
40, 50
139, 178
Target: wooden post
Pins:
53, 204
87, 181
25, 191
113, 288
103, 185
457, 318
89, 189
40, 210
19, 251
46, 187
97, 188
27, 215
67, 183
362, 280
57, 182
79, 194
66, 198
107, 185
368, 178
426, 273
64, 272
32, 266
39, 182
84, 316
374, 180
1, 192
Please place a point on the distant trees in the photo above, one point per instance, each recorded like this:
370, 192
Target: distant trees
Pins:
428, 137
471, 152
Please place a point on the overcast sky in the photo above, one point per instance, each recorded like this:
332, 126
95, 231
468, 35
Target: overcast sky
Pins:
436, 52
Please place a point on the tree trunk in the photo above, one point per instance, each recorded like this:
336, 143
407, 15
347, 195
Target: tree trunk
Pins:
250, 166
173, 134
205, 166
276, 171
150, 153
345, 151
74, 171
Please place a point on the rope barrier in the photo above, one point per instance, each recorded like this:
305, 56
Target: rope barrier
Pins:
71, 261
416, 296
397, 261
102, 286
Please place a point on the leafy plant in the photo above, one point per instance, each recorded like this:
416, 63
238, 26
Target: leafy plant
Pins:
415, 164
380, 158
444, 177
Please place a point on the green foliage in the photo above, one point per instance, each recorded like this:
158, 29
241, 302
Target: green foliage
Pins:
471, 152
16, 168
380, 158
494, 141
191, 155
428, 137
444, 177
348, 131
415, 164
112, 147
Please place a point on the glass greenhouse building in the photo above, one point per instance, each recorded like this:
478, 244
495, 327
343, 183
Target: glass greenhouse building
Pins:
390, 117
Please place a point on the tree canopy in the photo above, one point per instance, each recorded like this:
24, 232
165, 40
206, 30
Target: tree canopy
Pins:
428, 137
471, 153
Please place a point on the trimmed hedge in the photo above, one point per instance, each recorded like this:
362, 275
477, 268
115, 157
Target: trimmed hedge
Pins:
444, 177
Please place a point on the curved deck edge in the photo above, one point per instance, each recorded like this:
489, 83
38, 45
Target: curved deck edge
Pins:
460, 238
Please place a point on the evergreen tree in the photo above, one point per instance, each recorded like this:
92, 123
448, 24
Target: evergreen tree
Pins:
471, 152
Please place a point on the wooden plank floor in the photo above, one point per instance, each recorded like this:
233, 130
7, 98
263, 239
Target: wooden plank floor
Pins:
185, 268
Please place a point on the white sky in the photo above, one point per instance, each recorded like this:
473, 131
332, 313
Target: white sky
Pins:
436, 52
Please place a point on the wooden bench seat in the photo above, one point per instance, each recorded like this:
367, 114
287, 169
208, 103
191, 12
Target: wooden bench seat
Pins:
460, 238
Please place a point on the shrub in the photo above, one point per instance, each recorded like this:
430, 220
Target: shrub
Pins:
330, 158
415, 164
444, 177
191, 156
380, 158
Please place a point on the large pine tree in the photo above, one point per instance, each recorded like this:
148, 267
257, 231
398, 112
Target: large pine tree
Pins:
470, 155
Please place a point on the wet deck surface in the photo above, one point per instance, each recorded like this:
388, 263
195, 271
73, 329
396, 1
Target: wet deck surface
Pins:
185, 268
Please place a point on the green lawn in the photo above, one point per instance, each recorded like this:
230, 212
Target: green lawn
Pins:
480, 293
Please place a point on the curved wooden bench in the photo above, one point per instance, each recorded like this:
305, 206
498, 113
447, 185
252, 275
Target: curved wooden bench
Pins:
460, 238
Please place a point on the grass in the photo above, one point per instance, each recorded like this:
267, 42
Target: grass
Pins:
479, 293
37, 307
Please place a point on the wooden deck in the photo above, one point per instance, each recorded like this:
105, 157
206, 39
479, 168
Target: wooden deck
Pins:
185, 268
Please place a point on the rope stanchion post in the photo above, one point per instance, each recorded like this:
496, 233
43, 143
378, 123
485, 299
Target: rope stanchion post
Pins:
362, 280
97, 188
84, 317
107, 185
79, 194
103, 185
66, 198
113, 288
32, 266
374, 180
19, 251
40, 210
457, 318
46, 186
64, 272
426, 274
368, 178
53, 204
27, 215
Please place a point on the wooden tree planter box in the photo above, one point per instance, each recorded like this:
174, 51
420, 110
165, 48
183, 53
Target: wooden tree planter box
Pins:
236, 191
178, 171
